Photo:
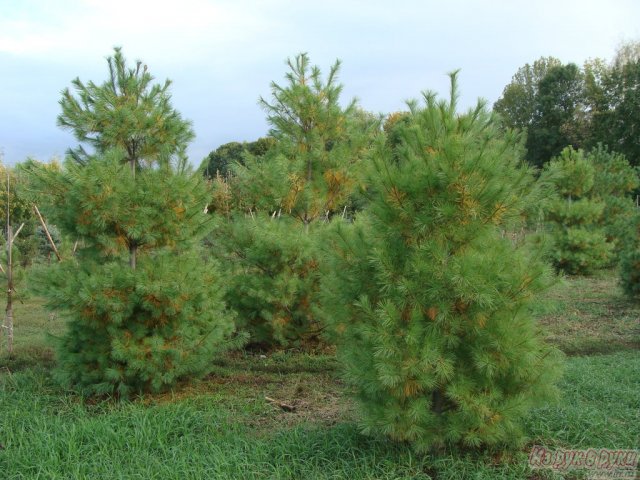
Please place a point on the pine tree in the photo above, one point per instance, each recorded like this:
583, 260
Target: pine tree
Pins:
279, 200
144, 309
615, 181
575, 215
427, 296
630, 260
272, 272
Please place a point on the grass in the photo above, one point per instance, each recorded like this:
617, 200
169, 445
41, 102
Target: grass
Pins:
222, 427
589, 315
33, 327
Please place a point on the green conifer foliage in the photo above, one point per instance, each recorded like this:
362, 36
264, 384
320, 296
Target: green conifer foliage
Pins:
128, 112
276, 203
427, 296
144, 309
615, 181
622, 216
630, 261
575, 214
273, 278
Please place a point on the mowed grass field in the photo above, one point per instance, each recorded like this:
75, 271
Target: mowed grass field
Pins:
223, 426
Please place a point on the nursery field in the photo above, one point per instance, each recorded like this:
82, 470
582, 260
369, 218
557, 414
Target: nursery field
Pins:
286, 414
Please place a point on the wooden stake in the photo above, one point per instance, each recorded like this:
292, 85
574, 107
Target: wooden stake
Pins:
9, 310
15, 235
46, 231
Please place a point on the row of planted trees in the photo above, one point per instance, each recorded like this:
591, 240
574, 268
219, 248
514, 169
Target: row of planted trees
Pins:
392, 243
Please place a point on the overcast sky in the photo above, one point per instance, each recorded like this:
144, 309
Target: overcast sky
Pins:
222, 55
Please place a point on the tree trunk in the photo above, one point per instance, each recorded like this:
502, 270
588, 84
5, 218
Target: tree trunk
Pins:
437, 404
133, 248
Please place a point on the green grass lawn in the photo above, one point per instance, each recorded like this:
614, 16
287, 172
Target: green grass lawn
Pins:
222, 427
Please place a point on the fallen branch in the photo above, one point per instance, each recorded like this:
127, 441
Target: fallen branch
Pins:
284, 406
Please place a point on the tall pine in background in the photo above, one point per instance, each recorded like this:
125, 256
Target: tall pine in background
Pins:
144, 309
426, 294
277, 201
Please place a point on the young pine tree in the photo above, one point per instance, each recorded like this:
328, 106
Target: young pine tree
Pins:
575, 215
622, 217
630, 260
615, 180
427, 297
278, 201
144, 309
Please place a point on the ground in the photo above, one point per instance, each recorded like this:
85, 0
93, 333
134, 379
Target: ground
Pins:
224, 427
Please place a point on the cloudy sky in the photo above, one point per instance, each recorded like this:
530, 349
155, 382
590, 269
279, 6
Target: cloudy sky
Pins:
222, 55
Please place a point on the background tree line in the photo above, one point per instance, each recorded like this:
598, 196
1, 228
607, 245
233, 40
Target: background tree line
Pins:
562, 104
